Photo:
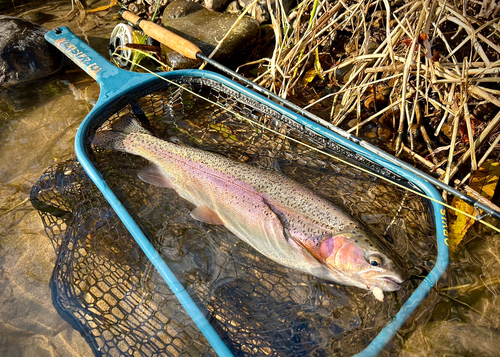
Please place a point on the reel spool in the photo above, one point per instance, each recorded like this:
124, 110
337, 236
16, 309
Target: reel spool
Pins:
120, 36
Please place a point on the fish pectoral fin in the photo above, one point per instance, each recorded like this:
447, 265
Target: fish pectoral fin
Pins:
295, 243
153, 175
289, 236
309, 257
204, 214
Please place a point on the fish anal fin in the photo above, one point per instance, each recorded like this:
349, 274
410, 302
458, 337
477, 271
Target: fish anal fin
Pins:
204, 214
153, 175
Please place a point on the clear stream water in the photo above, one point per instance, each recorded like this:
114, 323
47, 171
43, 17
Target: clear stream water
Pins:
38, 123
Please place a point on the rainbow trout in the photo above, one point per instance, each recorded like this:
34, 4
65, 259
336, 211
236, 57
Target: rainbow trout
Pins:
275, 215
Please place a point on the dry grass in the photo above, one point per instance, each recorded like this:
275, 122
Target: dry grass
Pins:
437, 62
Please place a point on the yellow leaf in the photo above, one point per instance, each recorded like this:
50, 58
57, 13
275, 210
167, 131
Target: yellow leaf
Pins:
484, 181
317, 65
459, 223
317, 70
309, 76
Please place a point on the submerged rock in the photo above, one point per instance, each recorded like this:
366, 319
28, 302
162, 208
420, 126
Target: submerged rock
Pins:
37, 16
451, 338
205, 28
25, 56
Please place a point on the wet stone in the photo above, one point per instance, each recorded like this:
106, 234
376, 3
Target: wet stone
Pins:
37, 17
25, 56
205, 28
233, 8
452, 338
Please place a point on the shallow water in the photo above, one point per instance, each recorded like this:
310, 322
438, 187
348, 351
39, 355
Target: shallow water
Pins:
31, 139
260, 307
214, 263
38, 122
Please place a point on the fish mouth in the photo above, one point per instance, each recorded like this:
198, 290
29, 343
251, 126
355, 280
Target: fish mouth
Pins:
387, 280
391, 282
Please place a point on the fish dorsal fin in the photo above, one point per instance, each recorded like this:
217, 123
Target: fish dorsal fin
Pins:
152, 174
204, 214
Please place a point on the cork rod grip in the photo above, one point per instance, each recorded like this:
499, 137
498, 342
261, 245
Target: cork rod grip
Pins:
164, 36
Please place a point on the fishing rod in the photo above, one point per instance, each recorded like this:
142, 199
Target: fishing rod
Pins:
334, 157
190, 50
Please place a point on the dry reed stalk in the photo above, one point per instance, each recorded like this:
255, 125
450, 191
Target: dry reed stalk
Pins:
447, 174
364, 85
481, 93
386, 69
376, 115
467, 115
470, 191
406, 71
485, 134
348, 104
483, 159
489, 90
416, 108
404, 57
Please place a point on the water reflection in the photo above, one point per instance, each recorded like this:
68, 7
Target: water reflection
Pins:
38, 122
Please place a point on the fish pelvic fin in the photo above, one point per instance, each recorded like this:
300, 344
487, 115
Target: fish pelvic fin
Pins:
152, 174
204, 214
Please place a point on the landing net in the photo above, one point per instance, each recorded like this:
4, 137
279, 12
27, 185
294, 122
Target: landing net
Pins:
108, 290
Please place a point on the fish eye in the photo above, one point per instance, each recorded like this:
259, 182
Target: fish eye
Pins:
375, 260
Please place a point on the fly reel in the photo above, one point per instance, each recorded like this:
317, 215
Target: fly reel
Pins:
122, 35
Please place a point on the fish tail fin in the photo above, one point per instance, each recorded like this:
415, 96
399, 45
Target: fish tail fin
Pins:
128, 125
110, 139
114, 139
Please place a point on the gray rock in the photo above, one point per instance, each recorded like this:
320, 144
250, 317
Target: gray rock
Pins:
261, 11
217, 5
204, 28
25, 56
234, 8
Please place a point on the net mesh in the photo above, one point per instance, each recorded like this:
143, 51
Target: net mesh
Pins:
105, 286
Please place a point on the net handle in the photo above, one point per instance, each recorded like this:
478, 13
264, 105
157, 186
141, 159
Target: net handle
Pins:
164, 36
